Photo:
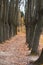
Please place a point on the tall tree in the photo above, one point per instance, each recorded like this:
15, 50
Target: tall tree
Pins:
13, 16
1, 23
28, 22
38, 30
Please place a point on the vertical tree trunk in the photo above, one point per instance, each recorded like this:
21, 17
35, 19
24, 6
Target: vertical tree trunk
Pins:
13, 17
1, 23
28, 23
3, 20
6, 19
0, 20
38, 29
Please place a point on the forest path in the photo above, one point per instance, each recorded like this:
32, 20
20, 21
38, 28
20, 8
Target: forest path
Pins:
15, 51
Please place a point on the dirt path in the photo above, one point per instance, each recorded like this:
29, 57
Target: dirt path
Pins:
14, 51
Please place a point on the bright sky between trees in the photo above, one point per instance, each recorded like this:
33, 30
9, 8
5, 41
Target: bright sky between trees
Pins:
22, 7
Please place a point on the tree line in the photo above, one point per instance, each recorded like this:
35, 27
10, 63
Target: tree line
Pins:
8, 18
33, 23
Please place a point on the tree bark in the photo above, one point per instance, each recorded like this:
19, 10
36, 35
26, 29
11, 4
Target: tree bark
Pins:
38, 31
40, 59
1, 23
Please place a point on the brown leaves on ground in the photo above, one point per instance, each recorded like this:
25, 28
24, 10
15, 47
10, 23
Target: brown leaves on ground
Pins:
14, 51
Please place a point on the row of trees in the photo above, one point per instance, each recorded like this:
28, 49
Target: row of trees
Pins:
33, 22
8, 18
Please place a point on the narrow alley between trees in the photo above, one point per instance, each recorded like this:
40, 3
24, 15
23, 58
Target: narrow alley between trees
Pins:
21, 32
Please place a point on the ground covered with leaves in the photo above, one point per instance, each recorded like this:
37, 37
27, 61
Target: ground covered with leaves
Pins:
15, 51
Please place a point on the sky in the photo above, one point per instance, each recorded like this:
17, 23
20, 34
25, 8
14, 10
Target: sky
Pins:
22, 7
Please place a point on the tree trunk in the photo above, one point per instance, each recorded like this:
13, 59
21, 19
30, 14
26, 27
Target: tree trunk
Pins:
1, 23
6, 19
29, 24
13, 15
40, 59
38, 30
